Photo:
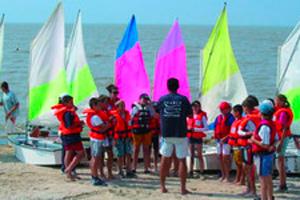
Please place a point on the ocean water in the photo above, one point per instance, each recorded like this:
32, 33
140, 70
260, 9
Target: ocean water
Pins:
255, 49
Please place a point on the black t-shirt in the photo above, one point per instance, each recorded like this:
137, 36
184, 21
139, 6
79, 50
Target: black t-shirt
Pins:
174, 109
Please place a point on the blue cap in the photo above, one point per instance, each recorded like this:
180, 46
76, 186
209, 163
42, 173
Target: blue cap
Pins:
266, 108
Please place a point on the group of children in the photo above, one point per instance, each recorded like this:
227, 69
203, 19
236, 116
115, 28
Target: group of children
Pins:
112, 130
249, 133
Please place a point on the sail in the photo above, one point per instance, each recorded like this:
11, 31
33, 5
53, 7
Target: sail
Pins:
288, 75
1, 39
221, 78
81, 84
130, 74
171, 63
47, 76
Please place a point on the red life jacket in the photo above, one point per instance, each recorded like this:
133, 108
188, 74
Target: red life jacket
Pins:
121, 128
221, 127
233, 136
254, 117
279, 127
141, 120
154, 126
59, 112
111, 104
258, 149
196, 122
95, 132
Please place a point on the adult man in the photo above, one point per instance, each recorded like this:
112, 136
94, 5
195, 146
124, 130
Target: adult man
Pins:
174, 109
10, 103
113, 96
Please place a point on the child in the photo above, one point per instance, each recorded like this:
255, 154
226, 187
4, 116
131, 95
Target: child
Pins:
245, 131
97, 121
196, 126
263, 148
123, 139
232, 141
283, 118
155, 132
222, 129
70, 128
108, 142
140, 120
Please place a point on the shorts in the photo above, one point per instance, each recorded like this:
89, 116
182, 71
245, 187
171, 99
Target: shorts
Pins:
284, 147
247, 155
155, 142
195, 140
77, 146
97, 147
123, 147
264, 164
180, 144
223, 148
237, 156
144, 139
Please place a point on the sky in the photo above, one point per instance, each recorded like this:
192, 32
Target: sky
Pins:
196, 12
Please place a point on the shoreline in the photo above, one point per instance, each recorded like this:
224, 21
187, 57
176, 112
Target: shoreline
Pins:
22, 181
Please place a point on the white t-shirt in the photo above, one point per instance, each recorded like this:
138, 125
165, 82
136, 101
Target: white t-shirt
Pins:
265, 134
96, 121
250, 127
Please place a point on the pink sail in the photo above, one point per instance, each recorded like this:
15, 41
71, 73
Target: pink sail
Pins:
171, 63
130, 74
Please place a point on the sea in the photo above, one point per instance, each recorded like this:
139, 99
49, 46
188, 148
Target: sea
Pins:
256, 51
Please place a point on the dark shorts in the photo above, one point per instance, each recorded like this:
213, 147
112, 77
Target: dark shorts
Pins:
123, 147
155, 142
195, 141
78, 146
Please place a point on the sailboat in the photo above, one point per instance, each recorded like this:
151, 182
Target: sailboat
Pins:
1, 39
220, 78
47, 81
77, 69
288, 73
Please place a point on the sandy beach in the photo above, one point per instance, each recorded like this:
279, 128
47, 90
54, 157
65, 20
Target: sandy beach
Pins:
21, 181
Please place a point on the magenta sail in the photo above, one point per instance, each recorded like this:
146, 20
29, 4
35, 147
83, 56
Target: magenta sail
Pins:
171, 62
130, 76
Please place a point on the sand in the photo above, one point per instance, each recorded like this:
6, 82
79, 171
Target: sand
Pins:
22, 181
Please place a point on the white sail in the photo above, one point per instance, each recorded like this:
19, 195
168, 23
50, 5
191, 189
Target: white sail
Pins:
47, 76
80, 81
1, 39
288, 81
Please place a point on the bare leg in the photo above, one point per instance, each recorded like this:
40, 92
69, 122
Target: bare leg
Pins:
164, 171
183, 174
136, 156
101, 166
120, 163
227, 162
110, 158
146, 152
76, 159
94, 163
263, 186
200, 157
221, 167
67, 160
128, 162
281, 170
192, 151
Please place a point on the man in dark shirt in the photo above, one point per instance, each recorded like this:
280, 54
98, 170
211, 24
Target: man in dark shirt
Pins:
174, 109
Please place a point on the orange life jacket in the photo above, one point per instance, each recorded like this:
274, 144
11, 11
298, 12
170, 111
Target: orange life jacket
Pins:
59, 112
154, 126
196, 122
254, 117
95, 132
233, 136
121, 128
279, 126
258, 149
222, 129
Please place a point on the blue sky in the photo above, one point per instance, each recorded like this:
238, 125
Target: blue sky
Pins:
202, 12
